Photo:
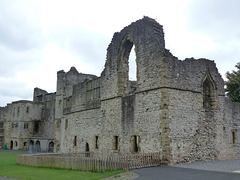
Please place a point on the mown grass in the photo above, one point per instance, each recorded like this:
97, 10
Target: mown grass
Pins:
10, 168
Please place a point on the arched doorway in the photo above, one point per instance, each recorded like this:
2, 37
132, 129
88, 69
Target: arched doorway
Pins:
51, 146
31, 146
11, 145
38, 146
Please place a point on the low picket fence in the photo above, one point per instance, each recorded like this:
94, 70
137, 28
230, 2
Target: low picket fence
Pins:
88, 162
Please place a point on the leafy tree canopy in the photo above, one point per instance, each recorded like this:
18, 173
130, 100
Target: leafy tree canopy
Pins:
233, 84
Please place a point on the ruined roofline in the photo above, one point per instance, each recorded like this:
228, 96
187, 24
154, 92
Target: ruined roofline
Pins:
75, 71
24, 101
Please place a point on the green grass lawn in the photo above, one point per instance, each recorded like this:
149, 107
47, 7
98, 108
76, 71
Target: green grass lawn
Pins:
9, 168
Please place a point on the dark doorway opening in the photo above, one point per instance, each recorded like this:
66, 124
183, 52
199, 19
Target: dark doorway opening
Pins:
87, 150
11, 145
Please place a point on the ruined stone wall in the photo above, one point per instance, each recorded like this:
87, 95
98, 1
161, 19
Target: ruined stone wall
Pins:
38, 94
193, 127
227, 147
65, 103
148, 38
2, 120
20, 117
177, 107
49, 116
27, 122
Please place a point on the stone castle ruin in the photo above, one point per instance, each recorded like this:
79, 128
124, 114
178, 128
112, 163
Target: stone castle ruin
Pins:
174, 107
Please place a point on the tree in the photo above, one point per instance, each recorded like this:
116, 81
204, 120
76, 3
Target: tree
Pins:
233, 84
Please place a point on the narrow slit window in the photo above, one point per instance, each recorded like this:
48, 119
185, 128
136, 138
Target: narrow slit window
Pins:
75, 141
96, 142
115, 143
234, 137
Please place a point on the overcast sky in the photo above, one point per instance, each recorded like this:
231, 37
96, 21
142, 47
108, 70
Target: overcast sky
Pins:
40, 37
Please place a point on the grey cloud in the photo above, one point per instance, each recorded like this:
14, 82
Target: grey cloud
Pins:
89, 47
219, 19
15, 31
15, 61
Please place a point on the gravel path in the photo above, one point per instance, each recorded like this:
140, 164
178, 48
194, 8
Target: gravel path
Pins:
217, 165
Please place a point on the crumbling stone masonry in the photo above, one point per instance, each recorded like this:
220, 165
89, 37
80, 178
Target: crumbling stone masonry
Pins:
174, 107
29, 125
177, 108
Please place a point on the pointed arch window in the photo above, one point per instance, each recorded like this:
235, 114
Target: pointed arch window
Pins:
209, 92
127, 72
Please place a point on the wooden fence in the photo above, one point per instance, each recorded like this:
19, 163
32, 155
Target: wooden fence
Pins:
87, 162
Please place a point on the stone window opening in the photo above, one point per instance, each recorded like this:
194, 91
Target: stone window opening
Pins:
24, 144
16, 144
135, 141
96, 142
66, 123
36, 127
25, 125
127, 72
51, 146
39, 98
115, 143
43, 113
132, 74
75, 141
1, 124
27, 111
209, 97
87, 150
234, 136
18, 111
60, 104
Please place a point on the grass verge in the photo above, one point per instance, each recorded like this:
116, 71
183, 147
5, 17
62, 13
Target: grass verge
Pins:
10, 168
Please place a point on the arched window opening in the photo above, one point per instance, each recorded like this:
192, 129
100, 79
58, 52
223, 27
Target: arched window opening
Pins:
132, 74
208, 93
127, 71
38, 146
31, 146
16, 144
51, 147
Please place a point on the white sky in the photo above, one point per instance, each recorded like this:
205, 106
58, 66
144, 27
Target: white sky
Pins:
40, 37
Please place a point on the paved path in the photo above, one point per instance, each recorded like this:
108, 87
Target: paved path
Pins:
217, 165
177, 173
219, 170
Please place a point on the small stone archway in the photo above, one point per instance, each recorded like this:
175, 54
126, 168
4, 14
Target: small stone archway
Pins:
31, 146
51, 146
38, 146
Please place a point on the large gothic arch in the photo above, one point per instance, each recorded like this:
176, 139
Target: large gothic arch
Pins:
148, 38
